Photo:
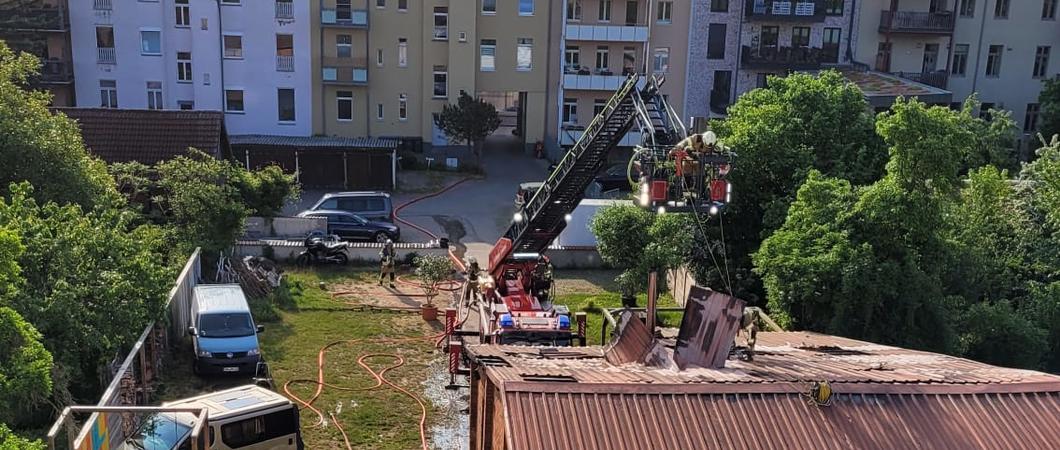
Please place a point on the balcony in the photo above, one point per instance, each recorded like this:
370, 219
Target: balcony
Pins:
937, 78
608, 33
570, 134
781, 58
106, 55
603, 81
284, 9
785, 11
56, 71
355, 18
917, 22
102, 5
284, 63
345, 71
34, 19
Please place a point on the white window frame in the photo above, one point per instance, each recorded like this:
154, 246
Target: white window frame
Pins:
488, 12
998, 61
1044, 66
441, 32
526, 13
143, 51
603, 54
294, 106
524, 45
574, 10
403, 107
665, 15
339, 98
224, 50
570, 111
108, 92
379, 112
243, 99
183, 13
341, 45
403, 52
964, 60
572, 57
482, 57
380, 4
660, 60
154, 95
603, 11
404, 8
184, 72
434, 74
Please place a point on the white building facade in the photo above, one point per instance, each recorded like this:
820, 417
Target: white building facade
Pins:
249, 58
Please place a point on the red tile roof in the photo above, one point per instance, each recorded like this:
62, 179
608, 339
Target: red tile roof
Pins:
148, 136
885, 397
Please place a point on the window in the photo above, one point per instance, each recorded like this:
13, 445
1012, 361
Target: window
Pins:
379, 111
344, 104
233, 46
967, 8
259, 429
343, 45
601, 58
883, 57
285, 104
719, 5
489, 7
661, 60
1048, 9
524, 54
154, 95
800, 37
380, 3
631, 13
487, 54
574, 10
1030, 120
1000, 9
285, 52
441, 23
716, 41
629, 60
526, 7
230, 2
104, 37
1041, 61
770, 37
184, 67
403, 52
984, 111
234, 100
403, 5
403, 107
598, 106
666, 11
570, 110
108, 93
604, 11
833, 7
830, 44
150, 42
343, 10
762, 80
441, 82
183, 13
721, 94
185, 105
960, 60
379, 57
571, 58
993, 60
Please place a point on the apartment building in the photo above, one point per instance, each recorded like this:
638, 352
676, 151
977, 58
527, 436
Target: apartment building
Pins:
386, 68
736, 45
42, 28
248, 58
604, 41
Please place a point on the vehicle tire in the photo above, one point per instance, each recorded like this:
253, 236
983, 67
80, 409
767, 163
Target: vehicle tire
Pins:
342, 258
380, 237
302, 261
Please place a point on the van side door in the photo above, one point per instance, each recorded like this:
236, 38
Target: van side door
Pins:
274, 430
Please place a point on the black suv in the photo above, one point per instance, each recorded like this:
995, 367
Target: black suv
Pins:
352, 226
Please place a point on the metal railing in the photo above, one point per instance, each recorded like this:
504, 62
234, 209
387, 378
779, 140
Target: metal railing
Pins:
284, 9
56, 71
102, 5
935, 78
441, 33
784, 10
35, 19
917, 22
106, 55
344, 75
285, 63
344, 18
796, 58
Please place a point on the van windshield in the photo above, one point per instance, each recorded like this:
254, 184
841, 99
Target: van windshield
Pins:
225, 325
158, 432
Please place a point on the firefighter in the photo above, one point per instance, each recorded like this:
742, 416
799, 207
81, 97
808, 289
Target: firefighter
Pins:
386, 262
472, 276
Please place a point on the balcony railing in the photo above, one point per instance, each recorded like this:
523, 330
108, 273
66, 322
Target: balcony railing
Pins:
570, 134
917, 22
106, 55
34, 19
56, 71
344, 75
794, 58
606, 81
284, 9
441, 33
102, 5
936, 78
614, 33
356, 18
785, 11
285, 63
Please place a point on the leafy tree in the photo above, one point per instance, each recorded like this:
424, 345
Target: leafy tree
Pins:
1049, 104
266, 191
41, 147
639, 242
993, 141
470, 120
432, 270
11, 441
25, 366
996, 332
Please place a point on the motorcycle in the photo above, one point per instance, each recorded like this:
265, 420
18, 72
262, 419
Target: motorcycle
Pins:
322, 249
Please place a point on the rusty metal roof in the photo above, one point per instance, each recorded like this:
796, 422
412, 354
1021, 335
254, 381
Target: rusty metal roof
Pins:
885, 397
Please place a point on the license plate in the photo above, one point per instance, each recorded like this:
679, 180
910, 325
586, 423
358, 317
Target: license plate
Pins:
230, 369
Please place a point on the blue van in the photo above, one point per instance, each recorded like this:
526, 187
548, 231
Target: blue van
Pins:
223, 331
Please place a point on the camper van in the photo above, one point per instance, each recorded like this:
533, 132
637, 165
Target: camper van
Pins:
245, 418
223, 331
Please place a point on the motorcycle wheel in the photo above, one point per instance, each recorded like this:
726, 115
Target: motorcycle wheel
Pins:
342, 258
302, 261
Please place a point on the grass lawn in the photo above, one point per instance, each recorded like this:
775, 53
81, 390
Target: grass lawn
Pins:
602, 293
296, 328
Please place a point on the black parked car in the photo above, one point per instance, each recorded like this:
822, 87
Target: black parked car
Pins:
351, 226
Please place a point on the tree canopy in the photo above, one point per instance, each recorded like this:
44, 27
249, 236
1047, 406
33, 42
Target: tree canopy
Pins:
1049, 108
469, 120
639, 242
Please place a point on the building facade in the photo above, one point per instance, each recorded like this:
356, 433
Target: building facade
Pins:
42, 28
236, 56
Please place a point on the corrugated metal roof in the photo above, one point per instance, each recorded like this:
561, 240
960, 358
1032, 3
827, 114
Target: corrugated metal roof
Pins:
334, 142
885, 397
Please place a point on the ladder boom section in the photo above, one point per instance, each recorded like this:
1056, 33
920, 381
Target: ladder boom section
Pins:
544, 216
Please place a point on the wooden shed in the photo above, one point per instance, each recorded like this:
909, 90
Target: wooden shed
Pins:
358, 163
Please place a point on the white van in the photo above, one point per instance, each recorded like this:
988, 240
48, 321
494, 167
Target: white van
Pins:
244, 418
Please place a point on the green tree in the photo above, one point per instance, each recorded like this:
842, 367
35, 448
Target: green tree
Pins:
25, 366
202, 201
469, 120
1049, 108
11, 441
993, 141
267, 190
432, 270
41, 147
996, 332
639, 242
